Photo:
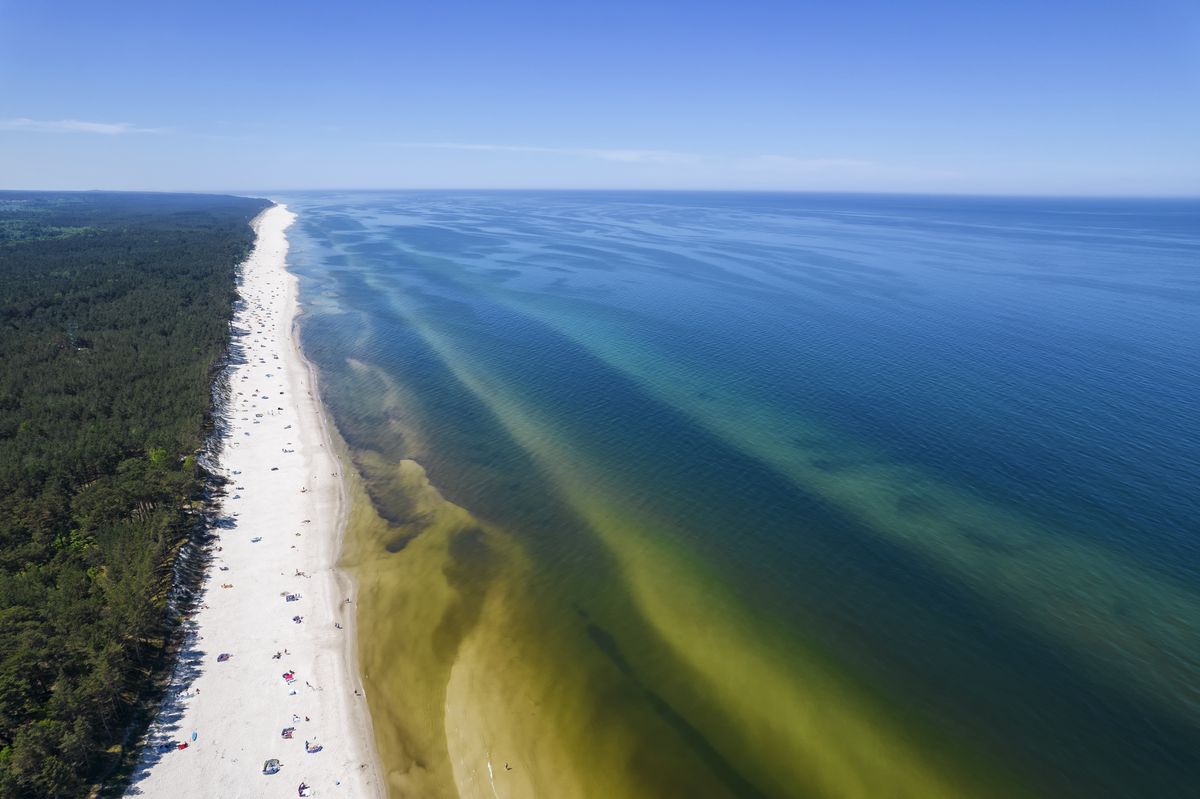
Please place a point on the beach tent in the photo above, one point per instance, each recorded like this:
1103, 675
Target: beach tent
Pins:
272, 766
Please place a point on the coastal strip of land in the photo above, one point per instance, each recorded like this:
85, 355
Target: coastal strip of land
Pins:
265, 699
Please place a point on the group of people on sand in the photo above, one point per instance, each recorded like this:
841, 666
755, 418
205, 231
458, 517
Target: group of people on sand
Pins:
256, 347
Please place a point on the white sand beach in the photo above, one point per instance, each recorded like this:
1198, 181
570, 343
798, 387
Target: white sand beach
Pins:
274, 601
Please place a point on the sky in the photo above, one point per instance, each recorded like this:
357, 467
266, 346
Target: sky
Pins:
1050, 97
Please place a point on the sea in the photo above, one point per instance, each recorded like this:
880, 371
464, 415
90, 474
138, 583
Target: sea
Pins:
664, 494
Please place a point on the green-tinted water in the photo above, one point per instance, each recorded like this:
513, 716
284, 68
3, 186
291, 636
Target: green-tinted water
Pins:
711, 495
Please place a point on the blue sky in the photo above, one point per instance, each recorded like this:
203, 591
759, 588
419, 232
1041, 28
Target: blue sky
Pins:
920, 96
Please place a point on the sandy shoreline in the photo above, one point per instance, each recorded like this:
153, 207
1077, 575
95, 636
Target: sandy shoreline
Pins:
275, 561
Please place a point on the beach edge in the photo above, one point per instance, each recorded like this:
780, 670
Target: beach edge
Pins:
344, 578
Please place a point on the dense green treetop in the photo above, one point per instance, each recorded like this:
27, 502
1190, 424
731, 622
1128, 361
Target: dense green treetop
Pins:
114, 316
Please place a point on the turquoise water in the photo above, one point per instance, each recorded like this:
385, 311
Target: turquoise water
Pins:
940, 453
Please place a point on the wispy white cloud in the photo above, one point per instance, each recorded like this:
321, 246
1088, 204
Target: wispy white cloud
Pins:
849, 173
630, 156
759, 170
73, 126
772, 163
642, 156
790, 163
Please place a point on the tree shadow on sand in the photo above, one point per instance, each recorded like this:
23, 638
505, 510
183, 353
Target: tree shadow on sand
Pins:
164, 734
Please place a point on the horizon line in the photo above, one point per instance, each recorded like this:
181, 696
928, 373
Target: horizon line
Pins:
595, 189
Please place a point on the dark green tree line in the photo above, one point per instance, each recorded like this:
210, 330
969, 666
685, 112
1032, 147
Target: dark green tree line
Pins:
114, 317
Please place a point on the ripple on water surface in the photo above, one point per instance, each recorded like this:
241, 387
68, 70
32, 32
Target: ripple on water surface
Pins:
767, 495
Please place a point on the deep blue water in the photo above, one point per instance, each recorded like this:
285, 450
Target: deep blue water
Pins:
951, 444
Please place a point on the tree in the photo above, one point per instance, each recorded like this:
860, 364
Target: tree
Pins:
114, 316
